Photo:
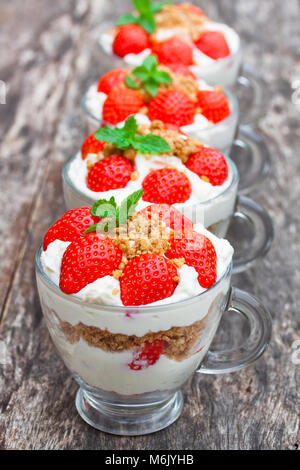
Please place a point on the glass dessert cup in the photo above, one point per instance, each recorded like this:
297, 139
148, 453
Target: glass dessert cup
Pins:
95, 343
249, 225
219, 136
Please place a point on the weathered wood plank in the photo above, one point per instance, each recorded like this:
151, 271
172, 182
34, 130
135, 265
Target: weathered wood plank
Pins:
252, 409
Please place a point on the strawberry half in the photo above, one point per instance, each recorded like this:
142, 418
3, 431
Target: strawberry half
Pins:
111, 172
172, 106
214, 105
86, 259
70, 226
130, 39
170, 216
166, 186
91, 145
192, 8
173, 50
147, 356
181, 69
198, 252
111, 79
209, 164
146, 279
120, 104
213, 44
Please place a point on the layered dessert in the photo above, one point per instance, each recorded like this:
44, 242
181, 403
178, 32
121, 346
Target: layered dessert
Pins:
132, 299
176, 34
169, 93
171, 167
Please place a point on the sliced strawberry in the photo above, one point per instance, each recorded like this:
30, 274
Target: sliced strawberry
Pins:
181, 69
209, 164
173, 50
214, 105
91, 145
147, 356
198, 252
170, 216
70, 226
120, 104
111, 172
213, 44
146, 279
130, 39
111, 79
192, 8
172, 106
166, 186
86, 259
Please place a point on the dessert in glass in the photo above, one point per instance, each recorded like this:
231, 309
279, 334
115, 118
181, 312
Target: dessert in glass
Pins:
132, 301
172, 168
170, 93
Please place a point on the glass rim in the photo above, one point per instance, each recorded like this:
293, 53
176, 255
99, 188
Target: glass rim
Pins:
67, 181
233, 101
116, 308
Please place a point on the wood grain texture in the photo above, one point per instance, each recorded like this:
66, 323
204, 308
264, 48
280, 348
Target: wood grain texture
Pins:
47, 65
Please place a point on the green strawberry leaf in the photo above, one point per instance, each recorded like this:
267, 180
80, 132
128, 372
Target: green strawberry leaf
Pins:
150, 143
127, 19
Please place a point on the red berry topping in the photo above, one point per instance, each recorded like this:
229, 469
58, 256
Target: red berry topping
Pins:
146, 279
91, 145
213, 44
147, 356
120, 104
181, 69
111, 79
209, 164
166, 186
192, 8
86, 259
173, 50
172, 106
170, 216
130, 39
111, 172
214, 105
198, 252
70, 226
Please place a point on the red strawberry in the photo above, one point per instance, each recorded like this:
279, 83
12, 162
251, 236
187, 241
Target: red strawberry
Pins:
111, 79
173, 50
111, 172
209, 164
170, 216
198, 252
91, 145
146, 279
130, 39
120, 104
172, 106
192, 8
181, 69
213, 44
166, 186
70, 226
147, 356
214, 105
86, 259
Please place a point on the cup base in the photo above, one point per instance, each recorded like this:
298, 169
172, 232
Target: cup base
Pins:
128, 420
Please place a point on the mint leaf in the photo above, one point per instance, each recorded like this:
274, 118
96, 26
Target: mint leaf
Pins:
142, 6
162, 77
147, 22
150, 143
130, 82
150, 76
151, 86
127, 19
128, 206
141, 72
130, 127
150, 63
157, 6
101, 207
115, 136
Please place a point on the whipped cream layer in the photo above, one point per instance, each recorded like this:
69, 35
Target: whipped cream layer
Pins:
222, 71
106, 291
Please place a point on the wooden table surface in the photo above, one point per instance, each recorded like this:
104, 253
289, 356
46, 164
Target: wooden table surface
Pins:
49, 56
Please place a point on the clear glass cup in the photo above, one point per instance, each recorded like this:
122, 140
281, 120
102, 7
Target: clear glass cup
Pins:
219, 136
98, 343
249, 225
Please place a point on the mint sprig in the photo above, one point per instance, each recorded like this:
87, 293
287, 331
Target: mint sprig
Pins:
113, 216
149, 75
145, 19
127, 137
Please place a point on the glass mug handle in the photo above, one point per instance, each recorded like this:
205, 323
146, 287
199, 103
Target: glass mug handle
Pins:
260, 322
251, 233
